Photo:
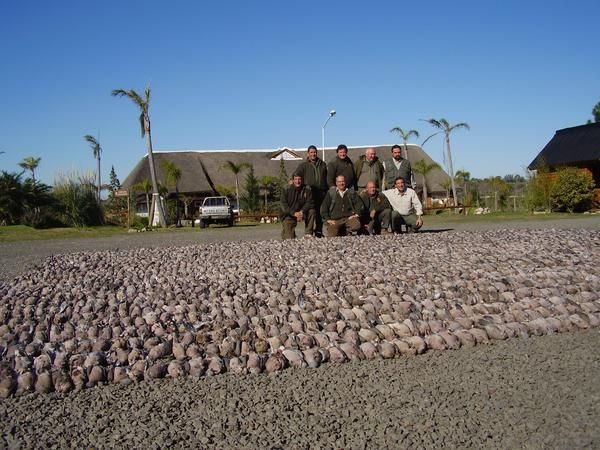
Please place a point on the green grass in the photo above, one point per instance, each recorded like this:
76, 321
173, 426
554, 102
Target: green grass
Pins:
15, 233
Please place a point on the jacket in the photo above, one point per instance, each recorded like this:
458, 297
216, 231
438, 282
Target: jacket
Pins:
335, 207
341, 167
314, 174
294, 200
374, 171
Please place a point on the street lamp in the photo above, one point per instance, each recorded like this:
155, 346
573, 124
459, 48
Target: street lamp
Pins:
331, 114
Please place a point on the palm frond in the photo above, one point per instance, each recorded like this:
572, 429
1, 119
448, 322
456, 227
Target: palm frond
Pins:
433, 122
429, 137
460, 125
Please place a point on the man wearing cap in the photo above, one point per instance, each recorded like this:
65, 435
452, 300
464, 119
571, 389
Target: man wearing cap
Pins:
407, 209
314, 174
368, 168
341, 165
342, 209
395, 167
297, 205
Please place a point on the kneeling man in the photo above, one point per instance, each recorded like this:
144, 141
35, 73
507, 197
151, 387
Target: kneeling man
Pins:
297, 205
342, 209
378, 210
407, 209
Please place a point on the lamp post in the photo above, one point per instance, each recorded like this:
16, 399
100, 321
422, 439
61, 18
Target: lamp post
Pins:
331, 114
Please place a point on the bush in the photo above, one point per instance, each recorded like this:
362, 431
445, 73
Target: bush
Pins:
77, 204
572, 190
537, 191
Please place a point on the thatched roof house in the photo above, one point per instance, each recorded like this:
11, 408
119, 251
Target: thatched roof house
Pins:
202, 169
576, 147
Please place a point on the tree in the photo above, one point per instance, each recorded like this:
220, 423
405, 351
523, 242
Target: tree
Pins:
30, 163
595, 113
422, 168
113, 181
500, 188
572, 190
405, 136
11, 198
282, 180
144, 105
96, 150
236, 169
173, 175
266, 183
446, 128
463, 177
144, 186
252, 188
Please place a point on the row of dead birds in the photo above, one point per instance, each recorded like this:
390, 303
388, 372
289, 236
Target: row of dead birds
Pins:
65, 327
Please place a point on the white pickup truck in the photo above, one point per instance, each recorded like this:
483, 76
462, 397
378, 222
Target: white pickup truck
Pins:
216, 210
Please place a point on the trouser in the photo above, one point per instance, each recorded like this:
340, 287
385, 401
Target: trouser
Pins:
381, 221
289, 225
318, 197
343, 226
398, 220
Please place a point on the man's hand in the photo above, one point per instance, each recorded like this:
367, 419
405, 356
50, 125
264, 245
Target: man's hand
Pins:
299, 215
331, 222
372, 214
419, 222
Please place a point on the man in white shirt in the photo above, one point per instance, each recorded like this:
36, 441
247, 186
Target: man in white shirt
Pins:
406, 207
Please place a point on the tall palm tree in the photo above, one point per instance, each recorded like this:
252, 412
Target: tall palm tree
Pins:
463, 176
236, 169
144, 186
422, 168
143, 103
446, 128
30, 163
96, 150
405, 136
173, 175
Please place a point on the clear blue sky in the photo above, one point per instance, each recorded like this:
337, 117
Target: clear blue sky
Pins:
250, 74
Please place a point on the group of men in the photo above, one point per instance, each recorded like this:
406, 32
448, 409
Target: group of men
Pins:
343, 198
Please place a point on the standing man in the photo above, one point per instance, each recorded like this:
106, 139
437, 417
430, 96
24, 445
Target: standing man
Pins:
407, 208
297, 205
368, 168
342, 209
314, 174
378, 210
397, 166
341, 165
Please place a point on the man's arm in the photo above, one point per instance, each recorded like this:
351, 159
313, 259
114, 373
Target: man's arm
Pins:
285, 208
325, 206
309, 202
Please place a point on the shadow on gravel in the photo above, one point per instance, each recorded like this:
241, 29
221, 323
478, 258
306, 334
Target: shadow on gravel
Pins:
438, 230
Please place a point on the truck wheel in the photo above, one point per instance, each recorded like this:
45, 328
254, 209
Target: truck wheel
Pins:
230, 223
202, 224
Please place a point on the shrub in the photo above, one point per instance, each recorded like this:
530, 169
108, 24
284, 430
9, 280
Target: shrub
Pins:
77, 204
572, 190
537, 191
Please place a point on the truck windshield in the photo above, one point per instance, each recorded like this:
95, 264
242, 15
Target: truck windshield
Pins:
216, 201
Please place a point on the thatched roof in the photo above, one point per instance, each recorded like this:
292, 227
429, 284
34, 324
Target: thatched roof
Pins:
570, 146
201, 170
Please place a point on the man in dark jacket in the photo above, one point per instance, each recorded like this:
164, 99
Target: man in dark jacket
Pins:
297, 205
395, 167
342, 209
314, 174
368, 168
341, 165
378, 210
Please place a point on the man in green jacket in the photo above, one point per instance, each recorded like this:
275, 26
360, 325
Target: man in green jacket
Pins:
368, 168
378, 210
314, 174
341, 165
342, 209
297, 205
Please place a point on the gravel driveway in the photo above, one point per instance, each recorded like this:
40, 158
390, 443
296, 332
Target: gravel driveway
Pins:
539, 392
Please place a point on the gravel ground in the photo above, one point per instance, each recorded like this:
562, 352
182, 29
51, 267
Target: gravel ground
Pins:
540, 392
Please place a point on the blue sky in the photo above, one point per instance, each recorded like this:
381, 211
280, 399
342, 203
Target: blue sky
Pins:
242, 74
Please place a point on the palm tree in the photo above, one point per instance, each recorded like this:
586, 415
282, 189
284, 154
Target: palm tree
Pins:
236, 169
405, 136
422, 168
30, 163
463, 176
144, 186
144, 105
173, 175
446, 128
96, 150
266, 183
